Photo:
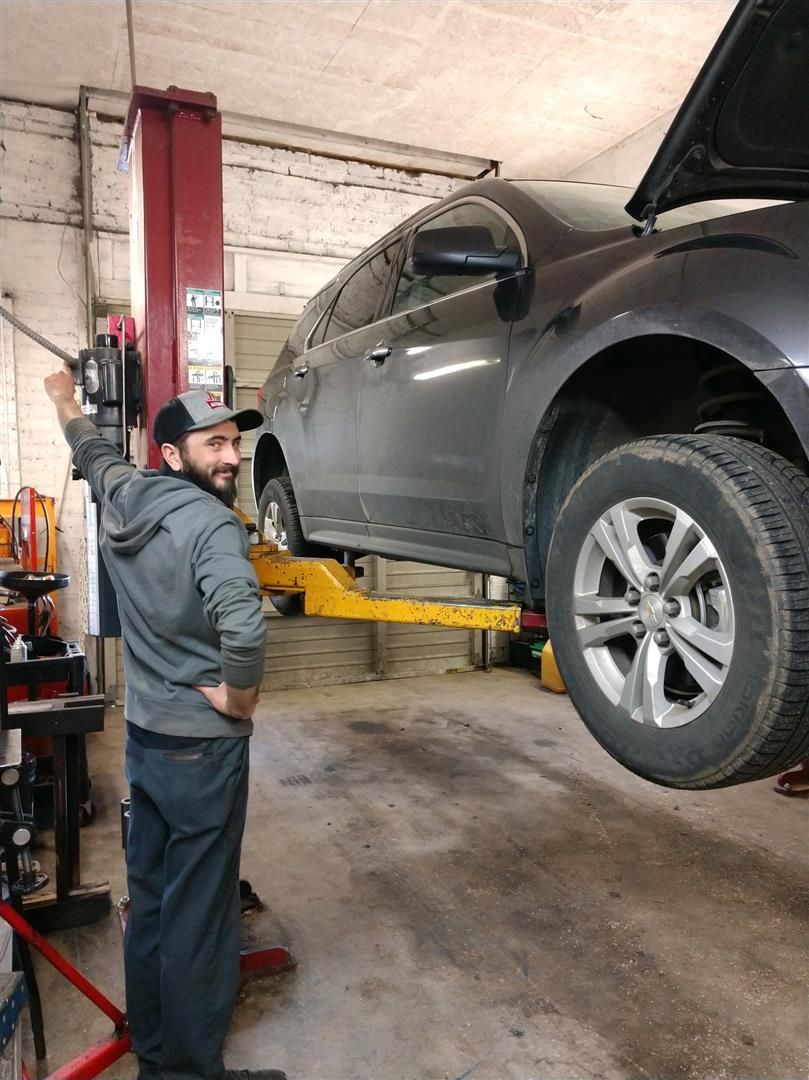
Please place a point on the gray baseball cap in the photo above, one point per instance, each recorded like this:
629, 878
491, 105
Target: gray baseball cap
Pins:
198, 409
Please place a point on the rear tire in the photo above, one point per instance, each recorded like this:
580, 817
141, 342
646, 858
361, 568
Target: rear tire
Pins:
701, 680
280, 524
279, 520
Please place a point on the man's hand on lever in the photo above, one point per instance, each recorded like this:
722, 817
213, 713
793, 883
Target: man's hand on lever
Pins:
61, 389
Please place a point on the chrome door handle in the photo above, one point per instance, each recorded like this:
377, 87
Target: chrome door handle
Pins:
299, 372
379, 354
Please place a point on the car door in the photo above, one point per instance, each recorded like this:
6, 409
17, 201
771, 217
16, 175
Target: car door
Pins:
431, 408
323, 387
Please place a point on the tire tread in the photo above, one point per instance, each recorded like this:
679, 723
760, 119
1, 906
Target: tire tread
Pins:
773, 494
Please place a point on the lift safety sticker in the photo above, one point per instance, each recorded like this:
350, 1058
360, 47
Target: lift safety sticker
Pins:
203, 316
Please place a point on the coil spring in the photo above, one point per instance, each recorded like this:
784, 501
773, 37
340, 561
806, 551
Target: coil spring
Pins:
731, 407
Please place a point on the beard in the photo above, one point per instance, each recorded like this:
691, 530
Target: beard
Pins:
219, 481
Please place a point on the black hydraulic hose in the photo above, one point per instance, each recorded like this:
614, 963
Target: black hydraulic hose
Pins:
72, 361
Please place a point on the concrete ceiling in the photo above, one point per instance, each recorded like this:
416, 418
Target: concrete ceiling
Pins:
543, 85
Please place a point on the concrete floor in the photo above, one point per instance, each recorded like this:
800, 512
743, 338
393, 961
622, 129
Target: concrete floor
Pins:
472, 888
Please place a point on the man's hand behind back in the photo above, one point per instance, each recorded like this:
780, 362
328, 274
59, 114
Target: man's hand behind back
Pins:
238, 704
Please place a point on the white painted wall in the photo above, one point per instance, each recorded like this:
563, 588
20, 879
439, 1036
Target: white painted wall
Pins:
41, 271
9, 435
291, 221
626, 162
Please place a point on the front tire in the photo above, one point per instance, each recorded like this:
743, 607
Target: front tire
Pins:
678, 607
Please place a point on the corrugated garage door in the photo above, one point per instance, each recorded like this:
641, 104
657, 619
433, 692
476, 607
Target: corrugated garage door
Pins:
317, 652
426, 649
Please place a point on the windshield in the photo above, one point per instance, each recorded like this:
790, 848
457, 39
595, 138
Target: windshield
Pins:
601, 206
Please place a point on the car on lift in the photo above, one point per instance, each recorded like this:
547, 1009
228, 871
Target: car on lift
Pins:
603, 395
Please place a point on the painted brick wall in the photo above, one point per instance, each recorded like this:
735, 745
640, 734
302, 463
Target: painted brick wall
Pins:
41, 269
291, 220
283, 200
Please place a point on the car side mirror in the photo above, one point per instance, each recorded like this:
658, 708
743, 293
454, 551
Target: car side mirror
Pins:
461, 249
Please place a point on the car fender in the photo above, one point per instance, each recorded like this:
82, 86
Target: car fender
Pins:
580, 332
279, 414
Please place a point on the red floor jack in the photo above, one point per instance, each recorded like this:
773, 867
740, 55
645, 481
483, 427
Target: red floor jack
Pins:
99, 1057
272, 959
16, 834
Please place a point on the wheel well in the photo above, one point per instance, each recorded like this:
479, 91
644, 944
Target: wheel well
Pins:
654, 385
268, 462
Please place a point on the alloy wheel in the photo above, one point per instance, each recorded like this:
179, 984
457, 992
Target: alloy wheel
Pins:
275, 529
653, 612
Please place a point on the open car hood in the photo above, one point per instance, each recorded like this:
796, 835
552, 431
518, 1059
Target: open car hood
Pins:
743, 129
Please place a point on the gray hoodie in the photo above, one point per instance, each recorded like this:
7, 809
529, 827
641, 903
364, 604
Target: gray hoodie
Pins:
187, 595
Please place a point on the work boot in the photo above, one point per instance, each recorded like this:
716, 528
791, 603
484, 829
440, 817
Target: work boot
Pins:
255, 1074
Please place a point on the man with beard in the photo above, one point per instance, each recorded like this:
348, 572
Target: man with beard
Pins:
193, 646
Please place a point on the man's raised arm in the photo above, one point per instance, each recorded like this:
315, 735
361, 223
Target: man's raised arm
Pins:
96, 458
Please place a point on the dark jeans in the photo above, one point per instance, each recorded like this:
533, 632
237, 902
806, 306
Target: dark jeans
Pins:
181, 949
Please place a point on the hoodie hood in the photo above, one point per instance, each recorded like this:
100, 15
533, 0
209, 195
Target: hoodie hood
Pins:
129, 522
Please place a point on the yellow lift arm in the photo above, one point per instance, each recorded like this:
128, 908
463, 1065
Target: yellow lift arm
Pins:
330, 590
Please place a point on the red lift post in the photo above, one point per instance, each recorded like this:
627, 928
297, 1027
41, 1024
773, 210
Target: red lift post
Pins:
172, 148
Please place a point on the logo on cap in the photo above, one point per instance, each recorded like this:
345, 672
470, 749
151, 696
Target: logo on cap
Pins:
214, 402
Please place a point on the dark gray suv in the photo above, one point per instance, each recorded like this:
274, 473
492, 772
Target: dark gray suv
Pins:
601, 394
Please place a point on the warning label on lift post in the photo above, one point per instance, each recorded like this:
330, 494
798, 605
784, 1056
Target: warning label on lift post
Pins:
203, 317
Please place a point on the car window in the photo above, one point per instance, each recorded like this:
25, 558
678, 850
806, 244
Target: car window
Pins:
357, 304
307, 320
310, 315
413, 290
324, 301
